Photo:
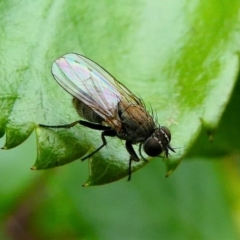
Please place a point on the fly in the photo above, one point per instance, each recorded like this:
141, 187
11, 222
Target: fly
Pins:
110, 107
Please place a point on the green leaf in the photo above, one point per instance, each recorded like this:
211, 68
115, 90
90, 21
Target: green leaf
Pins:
179, 57
200, 200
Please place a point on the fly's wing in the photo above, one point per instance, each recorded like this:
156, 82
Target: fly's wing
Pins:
80, 77
127, 95
91, 84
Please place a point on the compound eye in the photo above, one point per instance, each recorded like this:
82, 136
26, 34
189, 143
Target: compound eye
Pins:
167, 132
152, 147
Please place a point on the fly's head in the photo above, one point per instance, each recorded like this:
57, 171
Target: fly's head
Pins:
158, 142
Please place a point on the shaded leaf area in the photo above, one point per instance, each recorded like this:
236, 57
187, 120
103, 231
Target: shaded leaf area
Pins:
191, 203
186, 71
225, 140
200, 200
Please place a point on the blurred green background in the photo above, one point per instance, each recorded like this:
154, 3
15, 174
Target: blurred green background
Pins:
200, 200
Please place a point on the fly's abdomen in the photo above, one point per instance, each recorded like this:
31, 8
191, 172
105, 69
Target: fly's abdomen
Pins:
86, 112
137, 123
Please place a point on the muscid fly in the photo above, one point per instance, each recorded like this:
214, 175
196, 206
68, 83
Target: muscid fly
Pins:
110, 107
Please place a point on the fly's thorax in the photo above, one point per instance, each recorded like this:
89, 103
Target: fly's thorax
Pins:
137, 123
86, 112
158, 142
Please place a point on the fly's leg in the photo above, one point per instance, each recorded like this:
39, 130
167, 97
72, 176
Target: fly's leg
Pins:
133, 157
81, 122
108, 133
61, 126
132, 152
140, 153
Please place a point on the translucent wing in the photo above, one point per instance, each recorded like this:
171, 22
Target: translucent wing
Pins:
91, 84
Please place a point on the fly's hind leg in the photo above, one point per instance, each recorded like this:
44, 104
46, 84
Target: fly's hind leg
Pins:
107, 131
81, 122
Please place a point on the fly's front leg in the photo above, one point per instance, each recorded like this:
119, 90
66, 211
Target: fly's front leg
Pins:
140, 153
133, 156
